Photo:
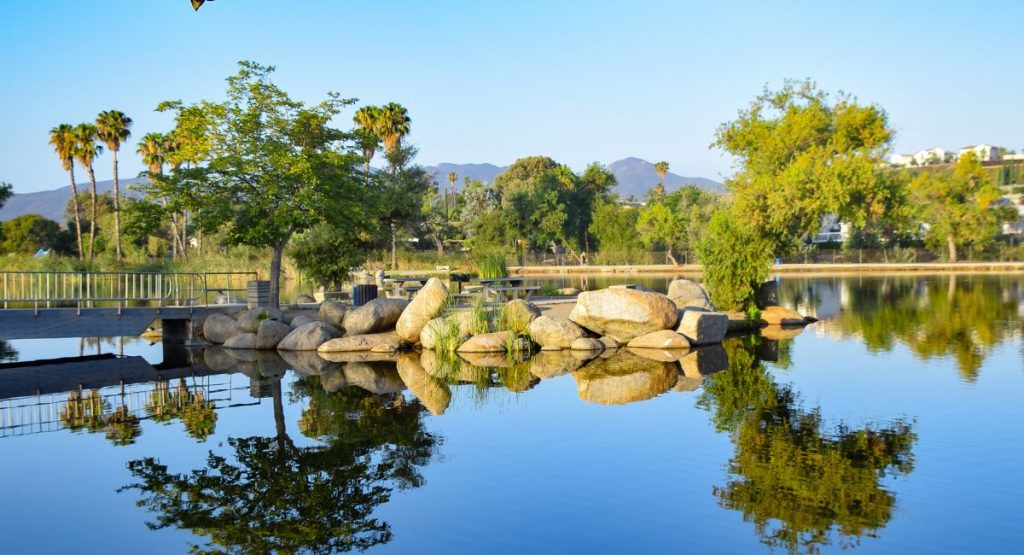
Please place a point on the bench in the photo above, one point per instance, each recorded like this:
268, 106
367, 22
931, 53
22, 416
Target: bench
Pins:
512, 292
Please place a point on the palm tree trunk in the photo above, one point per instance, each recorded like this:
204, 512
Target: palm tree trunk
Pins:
394, 247
117, 212
78, 217
92, 222
952, 248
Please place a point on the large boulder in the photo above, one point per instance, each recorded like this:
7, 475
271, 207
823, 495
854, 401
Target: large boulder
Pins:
333, 312
308, 337
552, 333
686, 293
374, 316
496, 342
426, 306
241, 341
624, 313
440, 327
366, 342
218, 328
624, 378
587, 344
703, 328
303, 319
660, 355
519, 313
778, 316
568, 292
249, 321
431, 392
661, 339
270, 333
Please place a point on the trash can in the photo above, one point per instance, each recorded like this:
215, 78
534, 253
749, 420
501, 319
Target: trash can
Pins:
363, 293
258, 293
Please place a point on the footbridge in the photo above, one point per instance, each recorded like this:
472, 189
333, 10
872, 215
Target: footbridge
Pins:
43, 304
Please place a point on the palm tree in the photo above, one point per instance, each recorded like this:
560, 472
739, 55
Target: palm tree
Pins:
62, 139
114, 127
154, 148
86, 151
661, 168
393, 125
367, 119
452, 178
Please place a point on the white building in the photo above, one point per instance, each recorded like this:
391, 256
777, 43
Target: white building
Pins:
901, 160
933, 156
985, 153
1010, 198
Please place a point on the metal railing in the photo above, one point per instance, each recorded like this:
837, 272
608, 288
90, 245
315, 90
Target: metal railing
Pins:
42, 289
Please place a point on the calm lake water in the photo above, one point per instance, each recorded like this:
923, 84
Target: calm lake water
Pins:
892, 425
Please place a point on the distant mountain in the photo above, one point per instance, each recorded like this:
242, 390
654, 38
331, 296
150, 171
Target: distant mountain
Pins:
636, 176
480, 172
50, 204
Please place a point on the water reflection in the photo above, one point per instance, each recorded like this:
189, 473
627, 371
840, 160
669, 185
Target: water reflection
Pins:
801, 483
955, 316
274, 496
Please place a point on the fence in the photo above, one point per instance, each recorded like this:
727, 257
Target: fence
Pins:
42, 289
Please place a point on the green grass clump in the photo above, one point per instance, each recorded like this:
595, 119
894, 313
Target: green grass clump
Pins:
449, 338
481, 317
548, 289
491, 265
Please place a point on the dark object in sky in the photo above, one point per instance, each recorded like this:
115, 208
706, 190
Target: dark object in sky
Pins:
197, 3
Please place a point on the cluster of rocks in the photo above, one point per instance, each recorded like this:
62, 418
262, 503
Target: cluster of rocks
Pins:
601, 320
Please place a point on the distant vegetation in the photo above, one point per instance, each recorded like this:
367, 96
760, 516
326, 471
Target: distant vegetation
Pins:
269, 175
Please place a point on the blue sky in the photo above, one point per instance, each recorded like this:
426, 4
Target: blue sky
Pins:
580, 81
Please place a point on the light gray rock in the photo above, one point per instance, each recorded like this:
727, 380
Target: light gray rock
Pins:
551, 332
304, 299
568, 292
661, 339
703, 328
587, 344
438, 327
241, 341
270, 333
624, 378
308, 337
218, 328
375, 316
249, 321
302, 319
218, 359
487, 343
520, 312
424, 307
368, 342
333, 312
686, 293
624, 313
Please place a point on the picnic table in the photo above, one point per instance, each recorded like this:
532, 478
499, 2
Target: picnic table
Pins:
399, 287
504, 287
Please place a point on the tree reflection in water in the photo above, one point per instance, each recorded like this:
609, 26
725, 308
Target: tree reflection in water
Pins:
275, 496
799, 482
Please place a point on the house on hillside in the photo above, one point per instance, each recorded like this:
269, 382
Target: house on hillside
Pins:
832, 230
933, 156
901, 160
985, 153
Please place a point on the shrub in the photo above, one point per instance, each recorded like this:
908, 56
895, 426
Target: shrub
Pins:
491, 265
736, 261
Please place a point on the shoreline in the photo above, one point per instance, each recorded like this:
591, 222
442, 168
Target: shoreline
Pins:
778, 269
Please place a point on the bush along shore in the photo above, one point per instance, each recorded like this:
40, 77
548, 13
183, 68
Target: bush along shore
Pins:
612, 332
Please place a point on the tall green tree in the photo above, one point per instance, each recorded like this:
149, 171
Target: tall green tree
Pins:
113, 127
28, 233
401, 192
802, 155
64, 143
273, 167
6, 190
86, 151
958, 206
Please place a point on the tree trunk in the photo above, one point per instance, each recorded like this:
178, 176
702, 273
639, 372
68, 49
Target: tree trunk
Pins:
92, 222
672, 257
367, 168
279, 424
184, 234
952, 248
275, 274
394, 247
440, 243
117, 212
78, 217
